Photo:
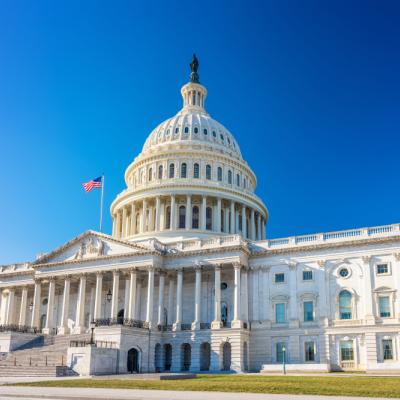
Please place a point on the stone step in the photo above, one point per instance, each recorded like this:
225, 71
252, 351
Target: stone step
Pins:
36, 371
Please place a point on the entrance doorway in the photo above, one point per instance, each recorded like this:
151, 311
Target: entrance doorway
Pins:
133, 361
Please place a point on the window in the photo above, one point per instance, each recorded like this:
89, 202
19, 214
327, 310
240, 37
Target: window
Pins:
345, 308
209, 218
160, 172
150, 174
183, 170
384, 306
382, 269
195, 217
309, 348
237, 180
387, 346
214, 134
205, 131
196, 171
344, 272
219, 173
280, 317
168, 218
230, 177
186, 129
279, 278
221, 136
171, 170
280, 352
308, 307
176, 130
196, 130
182, 217
346, 350
307, 276
208, 171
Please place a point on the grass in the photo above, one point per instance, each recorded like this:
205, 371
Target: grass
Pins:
313, 385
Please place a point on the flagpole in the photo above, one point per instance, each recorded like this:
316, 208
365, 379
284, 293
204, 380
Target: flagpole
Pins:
101, 201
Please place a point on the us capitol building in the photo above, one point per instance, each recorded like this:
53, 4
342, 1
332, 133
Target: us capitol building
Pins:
188, 280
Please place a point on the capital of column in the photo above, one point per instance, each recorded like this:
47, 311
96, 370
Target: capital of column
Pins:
396, 256
237, 265
116, 272
366, 259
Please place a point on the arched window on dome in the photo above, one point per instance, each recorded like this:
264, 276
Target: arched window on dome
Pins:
195, 217
214, 134
196, 171
176, 130
208, 171
237, 180
209, 218
196, 130
205, 132
182, 217
186, 129
150, 177
160, 172
171, 170
183, 170
230, 177
168, 218
219, 173
345, 305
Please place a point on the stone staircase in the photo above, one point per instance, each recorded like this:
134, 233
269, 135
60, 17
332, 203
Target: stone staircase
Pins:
46, 355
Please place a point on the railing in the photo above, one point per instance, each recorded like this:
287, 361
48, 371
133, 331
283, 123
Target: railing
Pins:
133, 323
104, 344
205, 325
37, 361
347, 364
18, 328
186, 327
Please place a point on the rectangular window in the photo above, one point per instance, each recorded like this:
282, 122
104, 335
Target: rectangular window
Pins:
280, 352
346, 350
309, 351
279, 278
382, 269
308, 311
387, 346
384, 306
307, 276
280, 313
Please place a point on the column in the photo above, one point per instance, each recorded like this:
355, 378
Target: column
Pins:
138, 299
36, 305
252, 225
114, 225
171, 300
259, 226
396, 278
50, 308
245, 297
256, 298
80, 307
22, 312
244, 222
368, 311
188, 222
173, 213
293, 316
126, 297
10, 307
197, 299
162, 216
133, 219
124, 224
99, 290
132, 295
118, 225
203, 213
91, 305
219, 211
150, 294
263, 229
236, 323
266, 294
233, 217
143, 219
115, 294
161, 284
179, 287
158, 213
65, 308
217, 323
237, 216
226, 225
150, 222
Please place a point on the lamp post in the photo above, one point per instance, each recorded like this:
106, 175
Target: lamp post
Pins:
109, 295
92, 326
284, 359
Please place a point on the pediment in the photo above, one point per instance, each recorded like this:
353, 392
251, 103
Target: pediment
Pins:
91, 245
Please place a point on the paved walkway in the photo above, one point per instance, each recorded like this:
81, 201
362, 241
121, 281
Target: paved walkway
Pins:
34, 393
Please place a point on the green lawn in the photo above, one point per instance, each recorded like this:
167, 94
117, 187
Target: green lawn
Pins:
339, 386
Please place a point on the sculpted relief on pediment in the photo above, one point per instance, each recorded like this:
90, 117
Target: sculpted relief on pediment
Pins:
91, 247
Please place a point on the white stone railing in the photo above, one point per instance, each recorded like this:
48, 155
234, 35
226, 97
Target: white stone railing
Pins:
332, 237
210, 242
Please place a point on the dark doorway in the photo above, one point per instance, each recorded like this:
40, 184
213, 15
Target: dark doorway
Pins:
168, 357
133, 361
120, 317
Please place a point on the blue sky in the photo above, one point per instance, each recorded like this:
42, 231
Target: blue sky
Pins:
310, 90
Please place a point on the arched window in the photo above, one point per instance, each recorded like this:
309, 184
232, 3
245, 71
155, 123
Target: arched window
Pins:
195, 217
150, 174
171, 170
208, 171
238, 180
219, 174
230, 177
205, 131
182, 217
160, 172
345, 305
196, 130
186, 129
183, 170
209, 218
196, 171
224, 313
168, 218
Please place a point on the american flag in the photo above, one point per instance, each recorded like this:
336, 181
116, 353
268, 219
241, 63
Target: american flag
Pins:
94, 183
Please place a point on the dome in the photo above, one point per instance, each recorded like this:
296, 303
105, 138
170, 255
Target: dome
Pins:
189, 181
